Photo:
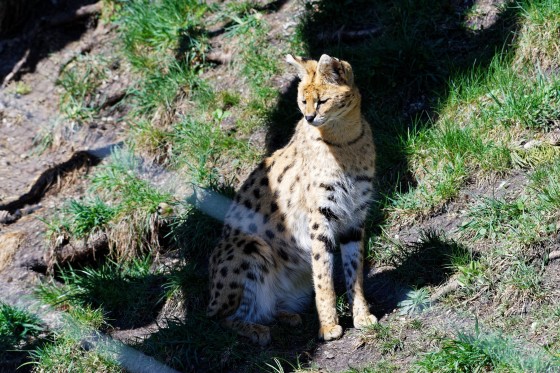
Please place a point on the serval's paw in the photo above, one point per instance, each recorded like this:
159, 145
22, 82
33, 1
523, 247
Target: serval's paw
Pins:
363, 321
330, 332
260, 334
290, 319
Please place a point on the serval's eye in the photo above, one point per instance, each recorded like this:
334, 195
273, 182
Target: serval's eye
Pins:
303, 102
321, 102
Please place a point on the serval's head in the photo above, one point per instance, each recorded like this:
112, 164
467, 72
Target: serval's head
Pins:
327, 91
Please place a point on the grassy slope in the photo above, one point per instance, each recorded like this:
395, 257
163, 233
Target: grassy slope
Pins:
451, 105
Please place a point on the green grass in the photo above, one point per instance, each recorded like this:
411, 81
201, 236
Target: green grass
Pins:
126, 295
64, 354
79, 83
481, 352
155, 34
88, 216
16, 328
383, 337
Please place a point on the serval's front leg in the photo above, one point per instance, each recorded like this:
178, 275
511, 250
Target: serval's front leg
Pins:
322, 249
351, 246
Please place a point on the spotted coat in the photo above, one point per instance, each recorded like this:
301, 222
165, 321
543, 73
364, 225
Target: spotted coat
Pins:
293, 211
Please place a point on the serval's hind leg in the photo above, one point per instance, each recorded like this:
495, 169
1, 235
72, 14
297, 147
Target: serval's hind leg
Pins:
288, 318
255, 332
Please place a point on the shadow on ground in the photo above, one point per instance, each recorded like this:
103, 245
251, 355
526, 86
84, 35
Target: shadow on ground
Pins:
23, 31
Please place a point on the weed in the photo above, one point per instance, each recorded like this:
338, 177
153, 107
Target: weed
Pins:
416, 301
480, 352
416, 324
79, 83
128, 293
153, 32
61, 297
88, 216
471, 274
342, 306
16, 326
538, 42
203, 145
65, 354
522, 283
490, 217
384, 338
20, 88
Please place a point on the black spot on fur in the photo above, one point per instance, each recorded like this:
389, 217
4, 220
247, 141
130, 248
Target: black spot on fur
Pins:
219, 285
315, 226
251, 276
248, 204
266, 218
351, 235
328, 187
329, 244
257, 193
251, 248
328, 213
245, 265
284, 255
233, 285
273, 207
280, 227
264, 181
269, 234
224, 271
317, 256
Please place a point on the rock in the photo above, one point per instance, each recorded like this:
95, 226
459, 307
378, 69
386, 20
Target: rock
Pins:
553, 137
532, 144
9, 243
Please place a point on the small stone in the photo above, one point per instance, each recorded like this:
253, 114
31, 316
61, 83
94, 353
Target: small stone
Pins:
553, 138
329, 355
532, 144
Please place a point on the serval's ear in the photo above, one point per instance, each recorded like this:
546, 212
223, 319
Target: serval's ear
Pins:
302, 65
335, 71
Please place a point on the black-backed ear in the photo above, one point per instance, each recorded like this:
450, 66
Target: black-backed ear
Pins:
299, 63
335, 71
